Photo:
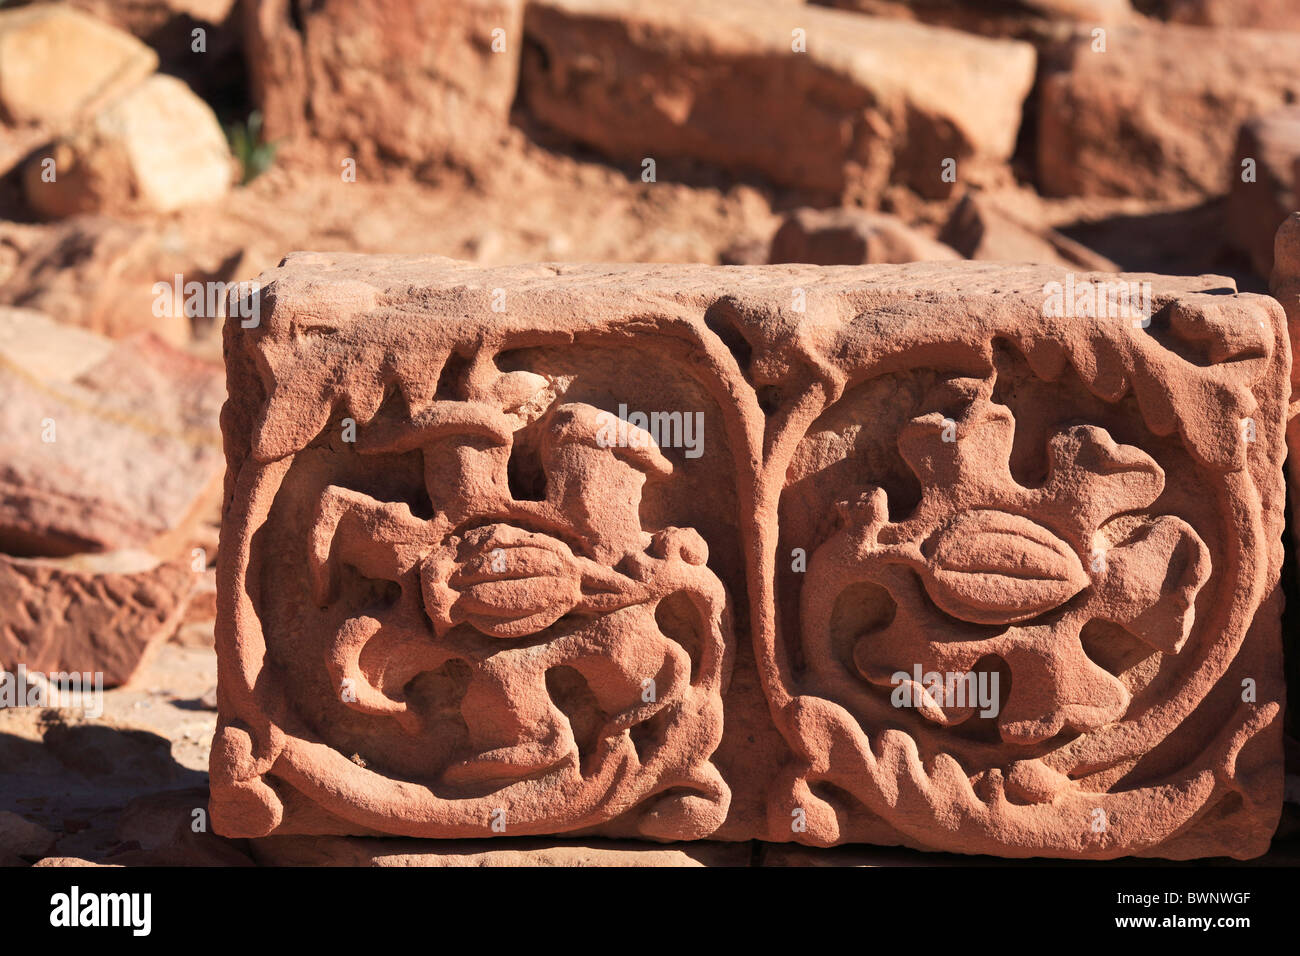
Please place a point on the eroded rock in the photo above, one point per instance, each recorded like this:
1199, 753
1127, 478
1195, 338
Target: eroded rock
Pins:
818, 99
1155, 114
156, 148
483, 576
111, 465
57, 67
411, 82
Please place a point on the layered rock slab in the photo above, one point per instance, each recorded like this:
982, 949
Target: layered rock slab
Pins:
436, 77
111, 464
658, 552
1152, 110
817, 99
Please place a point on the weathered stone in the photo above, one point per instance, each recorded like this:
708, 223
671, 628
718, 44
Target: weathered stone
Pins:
108, 445
819, 99
171, 829
111, 462
409, 82
1023, 18
1263, 184
1156, 115
979, 228
58, 66
1254, 14
852, 237
461, 596
96, 614
157, 148
102, 274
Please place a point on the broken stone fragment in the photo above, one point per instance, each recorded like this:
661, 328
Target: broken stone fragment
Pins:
437, 77
57, 67
156, 148
979, 228
852, 237
89, 614
111, 465
1155, 115
818, 99
961, 563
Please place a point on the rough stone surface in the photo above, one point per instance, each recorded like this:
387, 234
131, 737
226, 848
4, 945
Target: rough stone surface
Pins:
1284, 285
432, 85
492, 610
111, 463
1255, 14
979, 228
157, 148
1256, 208
108, 445
1156, 115
101, 274
872, 101
89, 614
852, 237
1027, 18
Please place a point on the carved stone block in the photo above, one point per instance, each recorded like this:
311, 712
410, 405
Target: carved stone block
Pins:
966, 557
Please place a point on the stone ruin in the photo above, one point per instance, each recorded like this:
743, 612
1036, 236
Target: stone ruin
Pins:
945, 568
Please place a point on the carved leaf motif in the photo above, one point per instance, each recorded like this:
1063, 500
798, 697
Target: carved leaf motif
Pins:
990, 567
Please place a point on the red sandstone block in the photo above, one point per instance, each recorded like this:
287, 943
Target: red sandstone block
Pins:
678, 552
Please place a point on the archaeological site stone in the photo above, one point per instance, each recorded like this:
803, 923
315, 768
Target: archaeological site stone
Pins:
112, 464
437, 77
932, 555
818, 99
1153, 110
95, 63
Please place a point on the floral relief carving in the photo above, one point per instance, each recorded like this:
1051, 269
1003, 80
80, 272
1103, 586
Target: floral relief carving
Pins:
937, 567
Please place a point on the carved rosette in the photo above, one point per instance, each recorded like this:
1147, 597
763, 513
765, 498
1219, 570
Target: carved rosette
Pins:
447, 654
446, 601
1022, 549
